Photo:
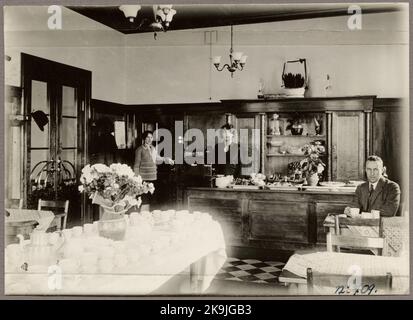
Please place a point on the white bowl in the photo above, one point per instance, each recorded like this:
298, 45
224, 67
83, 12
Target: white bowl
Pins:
275, 143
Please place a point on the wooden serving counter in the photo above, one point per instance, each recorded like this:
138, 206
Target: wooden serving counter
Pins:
279, 219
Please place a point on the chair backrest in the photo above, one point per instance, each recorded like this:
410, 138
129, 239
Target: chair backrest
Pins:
56, 206
341, 284
59, 207
354, 241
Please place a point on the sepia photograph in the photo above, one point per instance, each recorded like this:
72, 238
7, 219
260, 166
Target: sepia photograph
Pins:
206, 150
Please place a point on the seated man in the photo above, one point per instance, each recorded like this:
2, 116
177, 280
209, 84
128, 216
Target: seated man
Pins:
378, 193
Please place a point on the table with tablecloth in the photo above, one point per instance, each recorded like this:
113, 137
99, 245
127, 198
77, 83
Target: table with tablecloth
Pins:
195, 251
295, 271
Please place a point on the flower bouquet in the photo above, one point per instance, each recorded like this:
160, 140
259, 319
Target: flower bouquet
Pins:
312, 166
115, 188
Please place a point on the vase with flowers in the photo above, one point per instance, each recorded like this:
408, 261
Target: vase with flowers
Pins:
116, 189
312, 166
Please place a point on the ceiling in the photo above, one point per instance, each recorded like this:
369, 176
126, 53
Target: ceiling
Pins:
203, 16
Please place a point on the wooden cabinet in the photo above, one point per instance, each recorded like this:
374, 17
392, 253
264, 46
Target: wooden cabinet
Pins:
269, 219
226, 210
348, 145
273, 221
345, 131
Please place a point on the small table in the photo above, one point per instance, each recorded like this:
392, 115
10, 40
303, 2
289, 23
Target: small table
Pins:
335, 262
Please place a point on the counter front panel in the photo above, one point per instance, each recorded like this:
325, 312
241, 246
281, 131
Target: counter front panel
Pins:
269, 219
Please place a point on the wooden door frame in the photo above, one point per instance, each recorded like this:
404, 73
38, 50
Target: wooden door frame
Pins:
36, 68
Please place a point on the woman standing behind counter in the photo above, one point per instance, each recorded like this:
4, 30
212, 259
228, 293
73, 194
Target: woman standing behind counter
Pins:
146, 159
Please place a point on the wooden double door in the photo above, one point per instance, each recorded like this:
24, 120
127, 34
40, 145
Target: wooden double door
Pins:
56, 104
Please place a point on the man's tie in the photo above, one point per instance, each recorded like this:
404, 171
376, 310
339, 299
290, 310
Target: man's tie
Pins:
371, 190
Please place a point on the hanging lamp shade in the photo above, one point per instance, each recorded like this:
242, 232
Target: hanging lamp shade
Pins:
130, 11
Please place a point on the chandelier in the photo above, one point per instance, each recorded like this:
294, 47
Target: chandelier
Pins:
162, 16
236, 59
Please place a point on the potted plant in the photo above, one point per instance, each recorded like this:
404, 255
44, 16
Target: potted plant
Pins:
312, 166
295, 83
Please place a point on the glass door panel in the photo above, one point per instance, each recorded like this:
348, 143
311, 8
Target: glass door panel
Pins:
55, 147
39, 147
68, 151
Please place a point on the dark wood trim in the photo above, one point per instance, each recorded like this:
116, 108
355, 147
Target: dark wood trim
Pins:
315, 104
355, 103
13, 91
390, 105
108, 107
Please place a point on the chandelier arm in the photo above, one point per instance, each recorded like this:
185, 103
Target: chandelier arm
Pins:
239, 67
223, 67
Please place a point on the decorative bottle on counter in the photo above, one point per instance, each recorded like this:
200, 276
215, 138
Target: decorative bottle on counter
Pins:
275, 125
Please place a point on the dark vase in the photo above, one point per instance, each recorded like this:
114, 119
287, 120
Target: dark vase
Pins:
297, 130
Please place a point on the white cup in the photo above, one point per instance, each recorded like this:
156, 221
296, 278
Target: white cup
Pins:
90, 269
121, 260
119, 246
144, 250
69, 266
54, 238
105, 265
42, 269
77, 231
88, 229
14, 255
366, 215
133, 255
67, 233
375, 214
354, 212
106, 252
89, 262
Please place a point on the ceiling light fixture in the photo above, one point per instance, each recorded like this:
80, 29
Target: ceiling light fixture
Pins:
236, 59
130, 11
163, 16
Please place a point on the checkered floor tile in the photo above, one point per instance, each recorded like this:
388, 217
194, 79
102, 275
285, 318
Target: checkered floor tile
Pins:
250, 270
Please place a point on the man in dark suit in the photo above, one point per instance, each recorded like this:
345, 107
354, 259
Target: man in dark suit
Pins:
227, 153
378, 193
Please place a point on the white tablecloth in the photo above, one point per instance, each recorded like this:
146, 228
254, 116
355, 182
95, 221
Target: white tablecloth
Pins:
335, 263
199, 240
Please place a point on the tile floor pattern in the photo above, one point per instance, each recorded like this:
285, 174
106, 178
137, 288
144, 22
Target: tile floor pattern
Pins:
250, 270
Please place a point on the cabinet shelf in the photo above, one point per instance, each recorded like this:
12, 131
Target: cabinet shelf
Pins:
289, 155
284, 155
297, 136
